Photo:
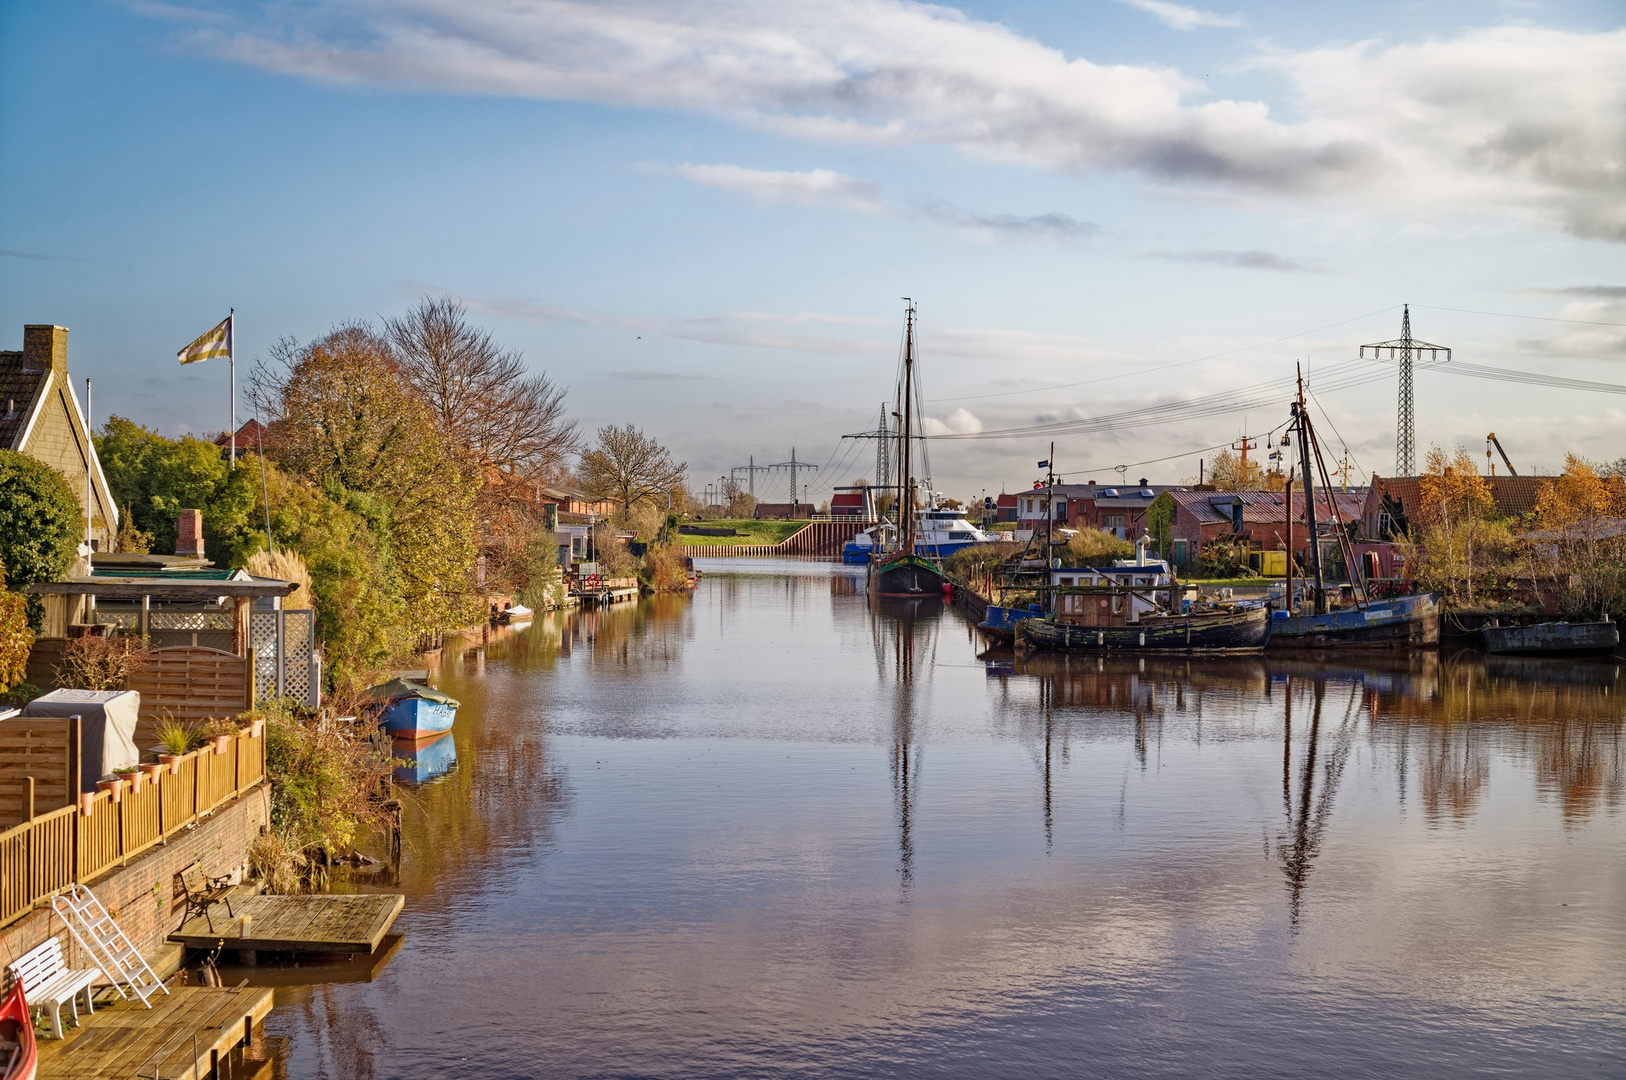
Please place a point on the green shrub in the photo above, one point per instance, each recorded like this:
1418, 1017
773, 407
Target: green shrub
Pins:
1224, 559
328, 780
41, 523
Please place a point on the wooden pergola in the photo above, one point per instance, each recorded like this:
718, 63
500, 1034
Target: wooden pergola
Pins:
64, 599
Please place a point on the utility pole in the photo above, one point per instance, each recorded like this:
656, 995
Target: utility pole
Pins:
1244, 447
1408, 349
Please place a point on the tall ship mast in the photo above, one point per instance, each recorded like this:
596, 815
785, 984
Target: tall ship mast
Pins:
901, 572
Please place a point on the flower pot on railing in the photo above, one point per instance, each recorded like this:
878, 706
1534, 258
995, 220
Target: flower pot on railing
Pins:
115, 787
222, 743
256, 728
135, 778
87, 802
172, 760
151, 771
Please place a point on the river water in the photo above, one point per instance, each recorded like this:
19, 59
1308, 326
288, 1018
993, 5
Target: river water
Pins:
774, 830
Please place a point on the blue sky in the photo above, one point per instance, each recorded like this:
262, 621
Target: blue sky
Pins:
699, 215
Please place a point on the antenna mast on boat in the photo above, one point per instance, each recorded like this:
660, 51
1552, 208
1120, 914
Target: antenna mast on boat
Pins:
906, 489
1302, 418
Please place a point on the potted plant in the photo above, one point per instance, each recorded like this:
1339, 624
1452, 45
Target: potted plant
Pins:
87, 802
221, 732
256, 724
114, 786
131, 776
151, 770
177, 740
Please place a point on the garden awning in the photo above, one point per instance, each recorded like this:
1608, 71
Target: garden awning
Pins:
163, 588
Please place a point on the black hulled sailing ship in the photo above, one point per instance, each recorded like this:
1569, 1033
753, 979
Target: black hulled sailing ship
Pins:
901, 572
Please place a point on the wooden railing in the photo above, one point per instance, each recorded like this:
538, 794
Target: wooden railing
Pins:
54, 850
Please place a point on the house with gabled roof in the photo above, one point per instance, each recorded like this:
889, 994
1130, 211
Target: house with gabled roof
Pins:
40, 416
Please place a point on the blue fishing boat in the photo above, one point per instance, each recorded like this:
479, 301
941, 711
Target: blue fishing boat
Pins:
1403, 622
411, 710
418, 762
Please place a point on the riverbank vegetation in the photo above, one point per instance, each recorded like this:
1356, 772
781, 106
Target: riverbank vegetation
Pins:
1567, 554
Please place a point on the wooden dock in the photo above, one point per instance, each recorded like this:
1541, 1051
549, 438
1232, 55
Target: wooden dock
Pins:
184, 1036
311, 924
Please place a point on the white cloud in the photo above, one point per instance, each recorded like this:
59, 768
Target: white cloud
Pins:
1515, 121
1253, 259
958, 422
812, 188
1181, 17
823, 187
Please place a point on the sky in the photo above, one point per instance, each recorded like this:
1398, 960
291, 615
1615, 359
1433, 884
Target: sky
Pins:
701, 216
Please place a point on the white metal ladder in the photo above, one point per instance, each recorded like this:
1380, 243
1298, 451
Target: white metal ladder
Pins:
96, 932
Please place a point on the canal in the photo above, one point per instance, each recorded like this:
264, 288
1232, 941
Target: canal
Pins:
773, 830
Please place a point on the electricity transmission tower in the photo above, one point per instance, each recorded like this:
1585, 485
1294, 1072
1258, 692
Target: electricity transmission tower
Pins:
1408, 348
883, 452
793, 465
750, 472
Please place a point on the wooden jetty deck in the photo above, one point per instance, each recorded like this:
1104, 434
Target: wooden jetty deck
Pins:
184, 1036
323, 923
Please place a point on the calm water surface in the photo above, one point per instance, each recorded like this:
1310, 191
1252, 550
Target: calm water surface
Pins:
776, 830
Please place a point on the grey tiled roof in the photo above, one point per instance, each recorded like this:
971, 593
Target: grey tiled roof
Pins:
18, 385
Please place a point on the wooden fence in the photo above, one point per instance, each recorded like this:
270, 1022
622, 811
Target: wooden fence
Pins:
61, 847
192, 685
39, 767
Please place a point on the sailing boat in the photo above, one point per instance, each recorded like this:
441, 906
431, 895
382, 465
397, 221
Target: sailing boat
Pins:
901, 572
1399, 622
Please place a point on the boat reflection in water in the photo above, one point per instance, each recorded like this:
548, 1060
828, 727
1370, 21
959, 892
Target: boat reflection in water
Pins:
1437, 723
419, 762
901, 626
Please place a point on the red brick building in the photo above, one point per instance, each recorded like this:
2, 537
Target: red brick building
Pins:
1259, 516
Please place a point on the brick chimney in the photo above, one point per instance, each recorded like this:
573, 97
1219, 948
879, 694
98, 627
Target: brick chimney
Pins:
46, 347
189, 533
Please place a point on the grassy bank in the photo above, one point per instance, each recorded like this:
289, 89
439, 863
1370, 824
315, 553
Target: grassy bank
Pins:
748, 532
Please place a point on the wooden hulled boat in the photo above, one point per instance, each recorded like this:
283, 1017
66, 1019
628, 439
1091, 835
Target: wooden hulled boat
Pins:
899, 574
19, 1056
411, 710
1553, 638
1402, 622
1238, 631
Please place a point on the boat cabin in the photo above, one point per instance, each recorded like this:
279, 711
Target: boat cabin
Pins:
1117, 595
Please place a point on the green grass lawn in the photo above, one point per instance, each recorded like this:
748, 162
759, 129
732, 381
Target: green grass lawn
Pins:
750, 532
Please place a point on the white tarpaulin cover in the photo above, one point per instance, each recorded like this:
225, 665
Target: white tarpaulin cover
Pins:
109, 728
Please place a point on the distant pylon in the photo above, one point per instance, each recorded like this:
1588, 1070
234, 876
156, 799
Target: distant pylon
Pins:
1408, 348
883, 453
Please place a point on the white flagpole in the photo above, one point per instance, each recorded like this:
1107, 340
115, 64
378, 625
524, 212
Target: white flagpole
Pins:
231, 356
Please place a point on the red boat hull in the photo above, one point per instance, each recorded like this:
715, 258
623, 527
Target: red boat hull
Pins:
18, 1027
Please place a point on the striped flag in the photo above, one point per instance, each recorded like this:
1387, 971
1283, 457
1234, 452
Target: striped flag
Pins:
213, 345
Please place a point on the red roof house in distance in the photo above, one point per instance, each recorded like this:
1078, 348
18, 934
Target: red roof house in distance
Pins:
249, 437
851, 503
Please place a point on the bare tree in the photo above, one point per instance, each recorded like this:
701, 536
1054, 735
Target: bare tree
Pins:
481, 393
630, 467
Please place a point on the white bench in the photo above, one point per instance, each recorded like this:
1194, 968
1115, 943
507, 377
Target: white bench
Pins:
49, 982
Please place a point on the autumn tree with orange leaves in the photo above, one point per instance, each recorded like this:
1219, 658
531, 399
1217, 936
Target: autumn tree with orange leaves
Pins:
1462, 547
1580, 538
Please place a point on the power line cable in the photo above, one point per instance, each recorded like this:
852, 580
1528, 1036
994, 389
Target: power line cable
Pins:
1510, 315
1175, 364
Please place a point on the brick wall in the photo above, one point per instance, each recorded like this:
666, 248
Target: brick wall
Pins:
146, 896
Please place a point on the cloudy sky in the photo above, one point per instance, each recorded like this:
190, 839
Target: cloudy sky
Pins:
700, 215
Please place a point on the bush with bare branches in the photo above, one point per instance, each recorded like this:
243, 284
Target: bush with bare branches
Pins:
101, 663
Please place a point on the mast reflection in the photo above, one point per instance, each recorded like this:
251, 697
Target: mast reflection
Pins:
900, 628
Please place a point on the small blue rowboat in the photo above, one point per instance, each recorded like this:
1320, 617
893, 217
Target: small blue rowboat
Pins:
412, 710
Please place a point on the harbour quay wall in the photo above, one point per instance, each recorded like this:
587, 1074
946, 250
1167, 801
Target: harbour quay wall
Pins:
144, 895
822, 538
